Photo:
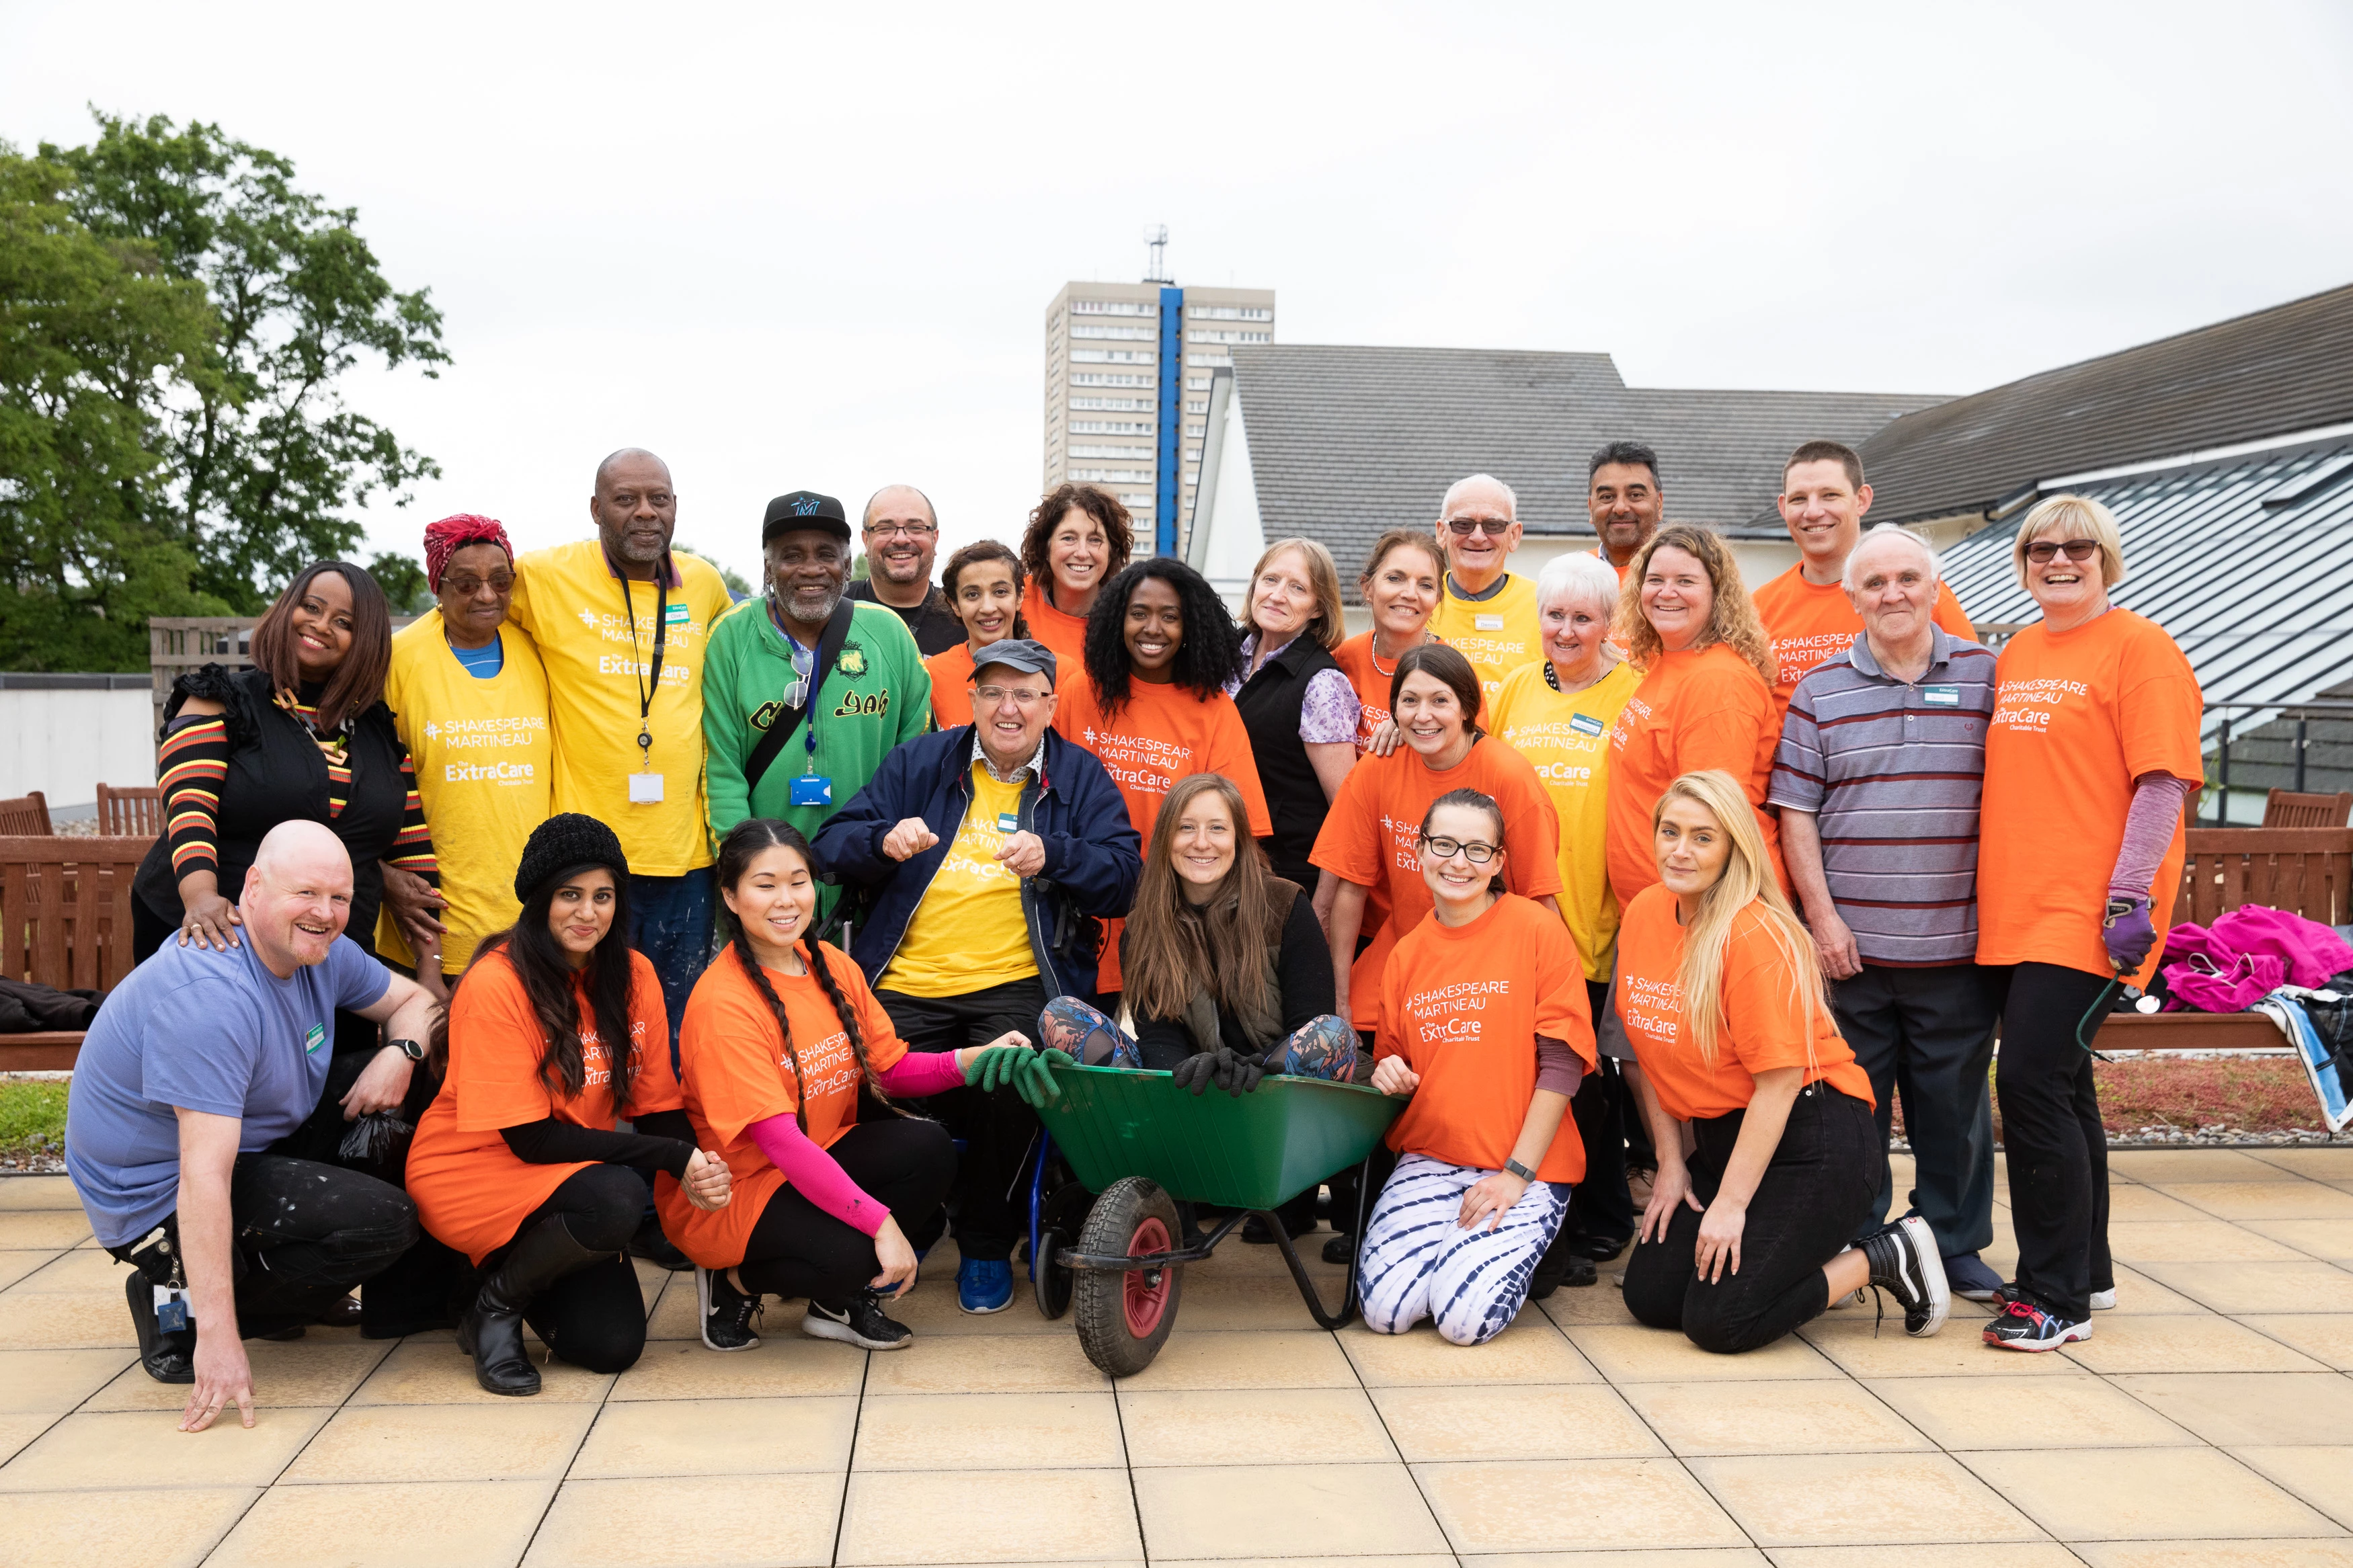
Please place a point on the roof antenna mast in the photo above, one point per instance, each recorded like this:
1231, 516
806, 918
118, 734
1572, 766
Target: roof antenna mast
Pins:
1156, 237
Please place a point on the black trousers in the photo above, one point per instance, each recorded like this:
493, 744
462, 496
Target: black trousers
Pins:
302, 1234
1927, 1034
2053, 1143
1602, 1206
996, 1126
594, 1317
1813, 1196
797, 1249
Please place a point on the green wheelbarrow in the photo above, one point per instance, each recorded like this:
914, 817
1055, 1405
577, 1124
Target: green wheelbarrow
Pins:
1142, 1144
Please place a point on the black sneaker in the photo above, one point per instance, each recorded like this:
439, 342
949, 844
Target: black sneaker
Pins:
1905, 1263
862, 1321
727, 1312
1339, 1249
1562, 1264
2025, 1325
166, 1357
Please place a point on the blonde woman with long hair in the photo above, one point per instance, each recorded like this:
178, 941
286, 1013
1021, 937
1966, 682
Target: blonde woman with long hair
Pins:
1723, 1000
1706, 696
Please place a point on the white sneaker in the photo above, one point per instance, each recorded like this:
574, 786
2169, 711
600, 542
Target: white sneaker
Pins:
2104, 1301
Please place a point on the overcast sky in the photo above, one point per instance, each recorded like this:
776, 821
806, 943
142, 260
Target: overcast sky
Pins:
788, 247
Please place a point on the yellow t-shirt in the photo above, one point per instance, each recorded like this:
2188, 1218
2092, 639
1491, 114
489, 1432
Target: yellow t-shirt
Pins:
570, 602
968, 933
1496, 634
1566, 738
485, 770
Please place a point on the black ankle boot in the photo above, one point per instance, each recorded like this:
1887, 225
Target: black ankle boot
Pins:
492, 1330
166, 1357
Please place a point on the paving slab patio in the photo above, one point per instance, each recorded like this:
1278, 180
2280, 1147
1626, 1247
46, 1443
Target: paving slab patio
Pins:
2208, 1421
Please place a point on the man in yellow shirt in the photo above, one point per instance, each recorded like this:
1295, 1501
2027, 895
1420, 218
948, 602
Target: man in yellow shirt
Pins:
622, 625
470, 700
1483, 611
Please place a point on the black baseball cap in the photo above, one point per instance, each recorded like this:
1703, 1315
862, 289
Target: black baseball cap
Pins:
803, 509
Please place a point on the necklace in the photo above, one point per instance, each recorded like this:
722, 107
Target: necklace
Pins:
1374, 649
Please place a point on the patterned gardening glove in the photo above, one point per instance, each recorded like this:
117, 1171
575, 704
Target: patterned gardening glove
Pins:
1029, 1073
2127, 932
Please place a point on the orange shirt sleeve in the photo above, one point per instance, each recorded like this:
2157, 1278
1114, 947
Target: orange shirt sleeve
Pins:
2157, 704
495, 1048
654, 1086
729, 1041
1228, 752
1562, 1010
1351, 844
1949, 615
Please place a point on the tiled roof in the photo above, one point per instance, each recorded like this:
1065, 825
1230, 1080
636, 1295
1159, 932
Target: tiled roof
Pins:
2274, 372
1346, 442
2242, 559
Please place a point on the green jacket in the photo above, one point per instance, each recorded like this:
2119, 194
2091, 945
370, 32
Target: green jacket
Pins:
877, 694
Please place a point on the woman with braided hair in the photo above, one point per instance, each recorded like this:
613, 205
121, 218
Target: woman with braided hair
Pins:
781, 1036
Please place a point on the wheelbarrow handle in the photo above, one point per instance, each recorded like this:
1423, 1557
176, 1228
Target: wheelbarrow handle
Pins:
1307, 1290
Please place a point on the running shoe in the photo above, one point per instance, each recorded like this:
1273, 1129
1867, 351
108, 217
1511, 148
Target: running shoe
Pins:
2105, 1300
860, 1320
1904, 1264
2024, 1326
727, 1312
984, 1285
1969, 1278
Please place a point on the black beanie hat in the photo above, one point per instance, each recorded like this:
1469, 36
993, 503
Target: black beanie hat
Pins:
565, 842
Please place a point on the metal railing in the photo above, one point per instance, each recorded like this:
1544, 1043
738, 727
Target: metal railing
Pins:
2303, 713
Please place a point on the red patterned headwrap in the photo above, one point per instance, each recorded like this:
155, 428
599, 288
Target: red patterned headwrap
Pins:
451, 534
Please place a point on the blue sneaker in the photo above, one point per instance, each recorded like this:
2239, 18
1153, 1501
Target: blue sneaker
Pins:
984, 1285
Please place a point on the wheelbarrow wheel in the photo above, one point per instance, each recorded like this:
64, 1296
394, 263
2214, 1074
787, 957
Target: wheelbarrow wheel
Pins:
1124, 1316
1059, 1221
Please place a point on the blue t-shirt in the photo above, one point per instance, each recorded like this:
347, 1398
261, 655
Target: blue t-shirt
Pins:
482, 663
206, 1031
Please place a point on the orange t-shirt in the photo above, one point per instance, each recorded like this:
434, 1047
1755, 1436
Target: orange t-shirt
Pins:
1354, 658
1372, 838
470, 1190
951, 671
1065, 634
1165, 734
1695, 710
1810, 623
1763, 1025
737, 1073
2078, 716
1464, 1005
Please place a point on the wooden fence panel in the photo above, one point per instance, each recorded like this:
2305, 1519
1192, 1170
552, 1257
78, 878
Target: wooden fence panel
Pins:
65, 909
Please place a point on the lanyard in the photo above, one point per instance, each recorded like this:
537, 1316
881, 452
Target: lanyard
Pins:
647, 686
809, 689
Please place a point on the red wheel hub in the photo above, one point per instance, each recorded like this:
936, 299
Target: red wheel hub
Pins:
1144, 1293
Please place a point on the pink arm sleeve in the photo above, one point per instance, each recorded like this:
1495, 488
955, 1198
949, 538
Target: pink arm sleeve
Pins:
815, 1174
918, 1073
2149, 832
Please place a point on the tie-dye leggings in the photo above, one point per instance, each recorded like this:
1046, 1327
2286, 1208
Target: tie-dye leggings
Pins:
1418, 1262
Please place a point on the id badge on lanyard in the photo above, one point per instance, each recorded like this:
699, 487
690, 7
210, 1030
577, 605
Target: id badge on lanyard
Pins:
812, 788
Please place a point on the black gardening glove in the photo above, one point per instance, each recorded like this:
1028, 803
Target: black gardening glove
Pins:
1239, 1073
1196, 1073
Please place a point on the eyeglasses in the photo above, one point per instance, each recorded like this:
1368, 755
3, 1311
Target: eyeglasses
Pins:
912, 530
1493, 527
2044, 550
991, 696
466, 587
1471, 849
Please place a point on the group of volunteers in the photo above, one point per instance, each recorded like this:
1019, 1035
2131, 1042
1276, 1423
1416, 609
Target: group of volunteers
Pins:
598, 912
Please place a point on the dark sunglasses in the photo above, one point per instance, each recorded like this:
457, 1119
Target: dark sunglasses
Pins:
1464, 526
2043, 551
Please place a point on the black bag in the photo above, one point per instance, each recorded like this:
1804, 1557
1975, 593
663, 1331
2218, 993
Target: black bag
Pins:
30, 1009
2332, 1023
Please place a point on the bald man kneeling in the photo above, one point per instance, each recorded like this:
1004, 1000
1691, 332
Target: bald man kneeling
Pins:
197, 1064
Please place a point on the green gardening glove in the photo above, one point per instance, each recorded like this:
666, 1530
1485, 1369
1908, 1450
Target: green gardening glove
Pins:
1029, 1073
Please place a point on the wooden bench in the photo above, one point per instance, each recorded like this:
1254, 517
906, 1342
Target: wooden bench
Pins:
65, 920
2304, 870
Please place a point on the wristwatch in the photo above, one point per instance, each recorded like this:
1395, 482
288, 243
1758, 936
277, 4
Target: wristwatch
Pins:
1520, 1171
408, 1048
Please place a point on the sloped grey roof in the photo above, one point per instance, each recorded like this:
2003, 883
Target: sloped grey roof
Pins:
2274, 372
2242, 560
1347, 442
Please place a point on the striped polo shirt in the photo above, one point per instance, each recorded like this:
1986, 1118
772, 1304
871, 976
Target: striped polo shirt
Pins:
1892, 771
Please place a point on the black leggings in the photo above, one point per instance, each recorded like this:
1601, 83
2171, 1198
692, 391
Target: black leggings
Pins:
594, 1317
797, 1249
302, 1234
2053, 1145
1822, 1179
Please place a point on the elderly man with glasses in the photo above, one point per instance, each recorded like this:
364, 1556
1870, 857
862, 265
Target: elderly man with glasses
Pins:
901, 535
1483, 611
988, 856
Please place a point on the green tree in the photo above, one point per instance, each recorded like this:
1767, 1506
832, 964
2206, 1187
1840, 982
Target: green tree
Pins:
87, 325
737, 582
404, 582
260, 460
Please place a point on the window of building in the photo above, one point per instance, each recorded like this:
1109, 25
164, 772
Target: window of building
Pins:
1134, 454
1139, 405
1115, 476
1101, 330
1198, 384
1229, 312
1113, 308
1110, 428
1108, 378
1192, 454
1197, 430
1217, 335
1197, 406
1112, 356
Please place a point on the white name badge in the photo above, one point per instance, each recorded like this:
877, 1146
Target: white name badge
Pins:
1585, 723
645, 789
1009, 822
1488, 622
1941, 696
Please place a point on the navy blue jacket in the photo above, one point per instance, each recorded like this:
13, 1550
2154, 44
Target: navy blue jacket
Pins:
1093, 855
